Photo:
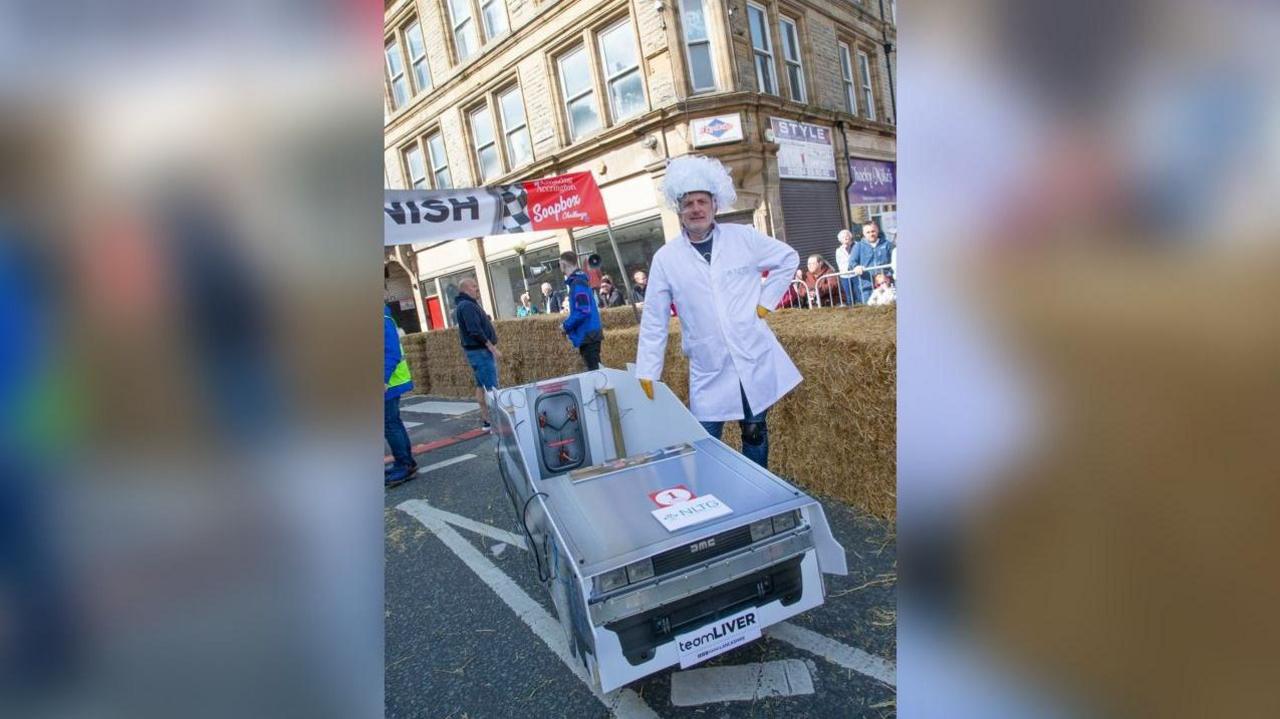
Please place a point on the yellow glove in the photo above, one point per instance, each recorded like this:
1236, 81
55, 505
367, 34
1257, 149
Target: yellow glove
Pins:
647, 386
761, 312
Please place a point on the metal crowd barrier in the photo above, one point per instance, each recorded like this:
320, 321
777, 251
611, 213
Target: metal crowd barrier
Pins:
813, 298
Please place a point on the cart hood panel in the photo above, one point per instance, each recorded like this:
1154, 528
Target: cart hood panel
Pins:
609, 518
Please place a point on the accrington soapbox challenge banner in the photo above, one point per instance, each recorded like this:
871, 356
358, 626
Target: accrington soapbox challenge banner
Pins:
548, 204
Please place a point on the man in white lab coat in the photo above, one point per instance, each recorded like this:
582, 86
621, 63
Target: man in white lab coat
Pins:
712, 272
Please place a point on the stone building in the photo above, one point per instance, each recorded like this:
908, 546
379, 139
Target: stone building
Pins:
790, 94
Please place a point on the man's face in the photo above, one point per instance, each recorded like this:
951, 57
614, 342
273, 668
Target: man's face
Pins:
870, 233
546, 288
697, 211
468, 288
813, 264
566, 269
641, 278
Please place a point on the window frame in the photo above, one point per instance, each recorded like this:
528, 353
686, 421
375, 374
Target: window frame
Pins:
768, 53
607, 80
405, 151
470, 113
484, 20
392, 45
866, 86
454, 27
845, 51
506, 130
412, 69
684, 37
798, 62
567, 100
431, 158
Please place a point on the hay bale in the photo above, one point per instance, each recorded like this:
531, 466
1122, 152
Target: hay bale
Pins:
834, 435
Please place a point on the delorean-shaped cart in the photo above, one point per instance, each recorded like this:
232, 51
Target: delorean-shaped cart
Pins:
660, 544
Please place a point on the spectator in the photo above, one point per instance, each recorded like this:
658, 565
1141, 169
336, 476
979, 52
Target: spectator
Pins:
884, 293
843, 251
824, 286
397, 381
479, 342
637, 290
737, 368
553, 301
610, 296
582, 326
526, 308
795, 297
870, 251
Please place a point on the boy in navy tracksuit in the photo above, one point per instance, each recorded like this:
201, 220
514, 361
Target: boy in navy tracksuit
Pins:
583, 323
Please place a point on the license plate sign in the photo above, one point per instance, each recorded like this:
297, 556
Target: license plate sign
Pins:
718, 637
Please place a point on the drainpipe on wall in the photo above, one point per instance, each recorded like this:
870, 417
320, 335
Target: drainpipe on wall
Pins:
888, 48
844, 196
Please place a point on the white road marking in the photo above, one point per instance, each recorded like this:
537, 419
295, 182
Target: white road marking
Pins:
835, 652
624, 703
445, 463
420, 508
745, 682
497, 549
411, 425
434, 407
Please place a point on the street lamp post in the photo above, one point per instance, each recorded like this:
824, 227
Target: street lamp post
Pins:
520, 248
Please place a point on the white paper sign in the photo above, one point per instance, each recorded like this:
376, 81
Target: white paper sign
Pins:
694, 511
717, 637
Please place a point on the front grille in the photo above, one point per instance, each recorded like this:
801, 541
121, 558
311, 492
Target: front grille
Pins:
702, 550
639, 635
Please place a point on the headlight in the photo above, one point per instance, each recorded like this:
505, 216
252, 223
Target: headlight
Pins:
783, 522
761, 529
642, 569
611, 580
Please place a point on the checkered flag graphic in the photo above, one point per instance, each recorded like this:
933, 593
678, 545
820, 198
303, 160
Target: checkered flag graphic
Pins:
515, 204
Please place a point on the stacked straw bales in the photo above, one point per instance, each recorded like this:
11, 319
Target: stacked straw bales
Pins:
834, 435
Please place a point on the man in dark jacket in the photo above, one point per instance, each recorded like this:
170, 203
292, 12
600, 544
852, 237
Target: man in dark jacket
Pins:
637, 289
479, 342
397, 381
551, 299
583, 323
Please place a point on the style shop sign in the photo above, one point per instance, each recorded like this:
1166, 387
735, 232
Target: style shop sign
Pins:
552, 203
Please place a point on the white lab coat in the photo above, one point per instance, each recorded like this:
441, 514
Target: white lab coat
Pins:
726, 342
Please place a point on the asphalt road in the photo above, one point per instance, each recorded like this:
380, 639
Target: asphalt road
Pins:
455, 648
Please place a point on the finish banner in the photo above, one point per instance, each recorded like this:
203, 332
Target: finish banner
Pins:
552, 203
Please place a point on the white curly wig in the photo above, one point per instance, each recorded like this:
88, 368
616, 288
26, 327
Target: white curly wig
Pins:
695, 173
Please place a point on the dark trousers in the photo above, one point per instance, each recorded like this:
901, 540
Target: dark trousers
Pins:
754, 426
590, 350
398, 439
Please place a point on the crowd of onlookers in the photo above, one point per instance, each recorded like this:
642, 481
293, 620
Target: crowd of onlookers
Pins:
864, 274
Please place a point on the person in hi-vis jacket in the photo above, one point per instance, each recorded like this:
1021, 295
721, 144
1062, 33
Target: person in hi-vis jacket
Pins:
712, 272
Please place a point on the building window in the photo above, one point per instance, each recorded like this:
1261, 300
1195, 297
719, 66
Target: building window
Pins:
494, 13
846, 71
417, 169
762, 46
506, 283
485, 144
864, 71
622, 71
514, 127
439, 162
697, 43
418, 57
395, 69
464, 29
580, 102
791, 55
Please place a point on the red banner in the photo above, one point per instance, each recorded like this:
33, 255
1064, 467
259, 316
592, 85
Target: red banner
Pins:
565, 201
